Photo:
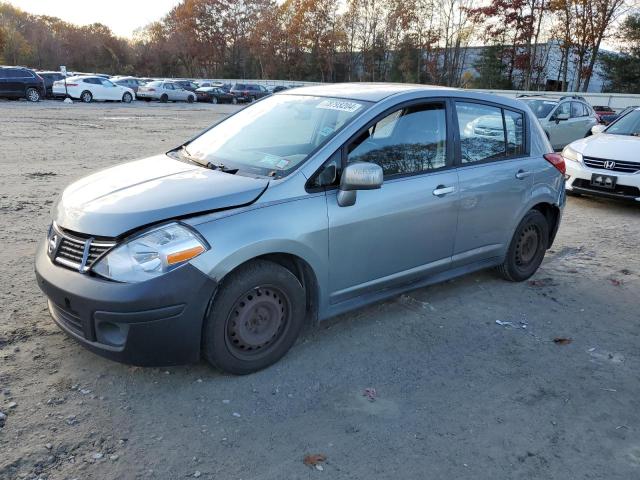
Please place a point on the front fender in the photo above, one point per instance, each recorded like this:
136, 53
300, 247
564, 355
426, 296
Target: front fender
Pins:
298, 227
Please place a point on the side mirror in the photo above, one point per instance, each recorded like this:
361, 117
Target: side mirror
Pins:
596, 129
358, 176
562, 116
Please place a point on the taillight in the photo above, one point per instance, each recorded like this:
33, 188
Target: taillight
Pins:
151, 89
72, 84
557, 161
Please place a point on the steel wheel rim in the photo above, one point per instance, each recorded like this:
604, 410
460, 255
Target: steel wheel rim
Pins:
257, 322
33, 95
527, 246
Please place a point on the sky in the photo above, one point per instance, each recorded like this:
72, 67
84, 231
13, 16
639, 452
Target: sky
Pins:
121, 16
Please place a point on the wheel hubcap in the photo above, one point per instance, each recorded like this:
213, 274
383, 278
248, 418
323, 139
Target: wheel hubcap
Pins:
527, 245
257, 319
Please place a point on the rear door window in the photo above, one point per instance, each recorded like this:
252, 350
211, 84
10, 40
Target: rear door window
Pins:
489, 132
578, 110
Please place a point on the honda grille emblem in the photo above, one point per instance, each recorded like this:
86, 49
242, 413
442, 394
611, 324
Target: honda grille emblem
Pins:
609, 165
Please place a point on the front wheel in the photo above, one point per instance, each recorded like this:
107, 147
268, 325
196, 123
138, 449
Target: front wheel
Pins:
255, 318
527, 248
127, 97
190, 99
33, 95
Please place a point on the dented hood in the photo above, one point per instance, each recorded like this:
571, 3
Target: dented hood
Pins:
122, 198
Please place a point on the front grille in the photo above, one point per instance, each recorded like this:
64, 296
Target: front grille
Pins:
619, 166
67, 318
71, 248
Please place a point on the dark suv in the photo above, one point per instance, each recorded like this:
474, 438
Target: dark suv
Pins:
49, 78
20, 82
248, 92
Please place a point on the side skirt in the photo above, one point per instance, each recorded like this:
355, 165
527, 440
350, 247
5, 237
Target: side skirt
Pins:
369, 298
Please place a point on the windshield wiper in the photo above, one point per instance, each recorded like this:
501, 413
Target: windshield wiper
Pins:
184, 153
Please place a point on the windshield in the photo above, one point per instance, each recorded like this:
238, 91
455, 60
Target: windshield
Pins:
627, 125
275, 135
541, 108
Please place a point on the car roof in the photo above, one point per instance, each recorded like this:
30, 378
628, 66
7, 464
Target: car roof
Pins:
368, 92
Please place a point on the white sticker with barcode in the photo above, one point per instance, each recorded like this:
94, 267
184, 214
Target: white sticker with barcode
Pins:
342, 105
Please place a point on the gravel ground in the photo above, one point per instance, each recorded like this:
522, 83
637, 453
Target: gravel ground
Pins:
457, 395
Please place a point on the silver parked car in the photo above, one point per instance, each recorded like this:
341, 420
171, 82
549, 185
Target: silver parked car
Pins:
564, 120
303, 205
165, 91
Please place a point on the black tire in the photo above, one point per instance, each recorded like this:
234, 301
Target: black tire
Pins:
527, 248
164, 98
32, 94
86, 96
190, 99
127, 97
255, 318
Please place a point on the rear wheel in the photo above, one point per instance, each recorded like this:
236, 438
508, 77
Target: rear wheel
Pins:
255, 318
527, 247
86, 96
234, 100
214, 99
32, 94
164, 98
252, 99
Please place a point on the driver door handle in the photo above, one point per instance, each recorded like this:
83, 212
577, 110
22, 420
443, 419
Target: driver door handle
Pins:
441, 190
522, 174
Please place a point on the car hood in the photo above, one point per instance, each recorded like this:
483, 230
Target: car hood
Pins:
609, 147
122, 198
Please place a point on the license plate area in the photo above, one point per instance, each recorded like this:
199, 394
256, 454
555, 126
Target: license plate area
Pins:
604, 181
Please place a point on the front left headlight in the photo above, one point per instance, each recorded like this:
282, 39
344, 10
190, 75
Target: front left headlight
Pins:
570, 154
151, 254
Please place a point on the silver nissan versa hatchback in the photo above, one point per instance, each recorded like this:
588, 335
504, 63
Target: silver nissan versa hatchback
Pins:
304, 205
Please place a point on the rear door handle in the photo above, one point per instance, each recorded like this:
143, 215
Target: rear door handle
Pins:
441, 190
522, 174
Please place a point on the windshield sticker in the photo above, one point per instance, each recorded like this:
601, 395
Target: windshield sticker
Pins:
282, 164
270, 160
326, 131
340, 105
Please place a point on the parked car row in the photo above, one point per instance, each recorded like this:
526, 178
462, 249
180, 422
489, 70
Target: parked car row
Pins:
22, 82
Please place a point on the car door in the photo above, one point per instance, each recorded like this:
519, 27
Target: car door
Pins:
495, 176
580, 113
94, 85
14, 83
561, 132
111, 90
406, 229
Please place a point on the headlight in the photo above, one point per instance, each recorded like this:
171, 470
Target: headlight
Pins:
570, 154
151, 254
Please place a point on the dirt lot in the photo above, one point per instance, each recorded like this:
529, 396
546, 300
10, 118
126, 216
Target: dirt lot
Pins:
458, 396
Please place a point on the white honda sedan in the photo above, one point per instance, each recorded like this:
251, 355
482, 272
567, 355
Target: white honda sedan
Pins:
88, 89
607, 164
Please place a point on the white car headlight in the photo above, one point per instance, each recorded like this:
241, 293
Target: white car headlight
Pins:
570, 154
151, 254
